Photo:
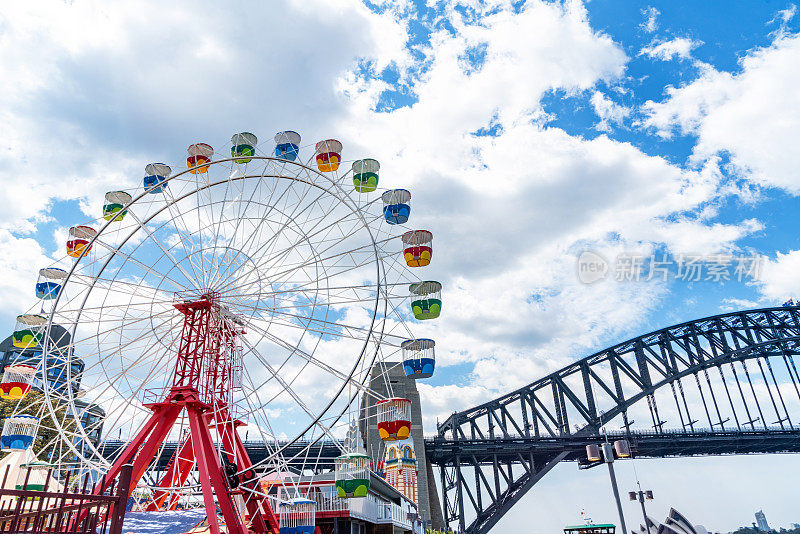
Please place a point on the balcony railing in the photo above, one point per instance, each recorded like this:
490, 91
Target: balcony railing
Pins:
368, 508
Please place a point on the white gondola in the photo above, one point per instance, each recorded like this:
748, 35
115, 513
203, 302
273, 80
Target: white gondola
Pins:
287, 145
365, 175
79, 242
33, 476
351, 471
328, 154
297, 516
396, 207
394, 418
115, 203
243, 146
200, 155
28, 331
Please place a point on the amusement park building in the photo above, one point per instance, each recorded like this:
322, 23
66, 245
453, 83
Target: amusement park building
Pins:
401, 469
91, 414
392, 374
383, 511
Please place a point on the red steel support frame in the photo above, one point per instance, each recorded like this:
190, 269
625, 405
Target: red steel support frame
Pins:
177, 473
200, 386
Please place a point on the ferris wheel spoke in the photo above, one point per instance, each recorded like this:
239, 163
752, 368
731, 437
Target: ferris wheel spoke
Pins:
184, 234
271, 208
289, 219
79, 342
153, 370
119, 286
328, 301
312, 360
71, 443
325, 327
240, 218
274, 457
307, 237
166, 252
301, 299
210, 211
301, 287
315, 329
107, 308
116, 252
288, 389
285, 251
291, 270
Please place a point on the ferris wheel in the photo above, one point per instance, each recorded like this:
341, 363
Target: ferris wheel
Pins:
225, 299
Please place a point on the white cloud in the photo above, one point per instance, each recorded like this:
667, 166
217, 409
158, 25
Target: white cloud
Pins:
100, 92
779, 281
650, 24
510, 212
680, 47
750, 116
783, 17
609, 111
511, 209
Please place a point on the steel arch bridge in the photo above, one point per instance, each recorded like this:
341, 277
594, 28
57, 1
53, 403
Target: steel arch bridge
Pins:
725, 384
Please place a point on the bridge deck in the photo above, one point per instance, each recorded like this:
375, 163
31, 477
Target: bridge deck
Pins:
443, 451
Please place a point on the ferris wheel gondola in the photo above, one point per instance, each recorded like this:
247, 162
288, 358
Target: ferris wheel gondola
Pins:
365, 175
115, 203
155, 177
49, 283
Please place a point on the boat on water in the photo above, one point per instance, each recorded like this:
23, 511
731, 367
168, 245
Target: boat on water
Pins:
591, 528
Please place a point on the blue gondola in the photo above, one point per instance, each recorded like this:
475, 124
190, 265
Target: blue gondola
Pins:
155, 176
48, 286
18, 432
287, 145
297, 516
419, 359
396, 209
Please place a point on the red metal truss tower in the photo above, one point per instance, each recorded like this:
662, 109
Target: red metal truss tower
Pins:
207, 368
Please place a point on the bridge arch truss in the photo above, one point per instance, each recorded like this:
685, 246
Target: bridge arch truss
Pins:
731, 375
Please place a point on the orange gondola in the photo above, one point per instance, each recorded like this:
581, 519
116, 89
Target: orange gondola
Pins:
199, 156
328, 155
417, 251
80, 240
394, 418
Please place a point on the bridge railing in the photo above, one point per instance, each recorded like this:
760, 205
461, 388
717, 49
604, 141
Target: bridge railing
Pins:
614, 434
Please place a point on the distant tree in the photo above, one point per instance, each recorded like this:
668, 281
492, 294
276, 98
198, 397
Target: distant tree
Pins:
31, 404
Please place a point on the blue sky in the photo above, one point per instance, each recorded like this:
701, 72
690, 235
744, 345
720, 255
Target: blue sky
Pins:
528, 131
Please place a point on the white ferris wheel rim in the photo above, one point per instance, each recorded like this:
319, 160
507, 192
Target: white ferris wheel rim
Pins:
334, 188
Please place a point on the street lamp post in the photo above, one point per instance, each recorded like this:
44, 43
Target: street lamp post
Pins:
622, 450
608, 454
641, 496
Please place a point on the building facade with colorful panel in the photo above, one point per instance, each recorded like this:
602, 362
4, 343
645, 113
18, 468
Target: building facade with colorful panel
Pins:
401, 469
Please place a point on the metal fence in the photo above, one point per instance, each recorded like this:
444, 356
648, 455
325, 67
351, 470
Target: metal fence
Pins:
72, 508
